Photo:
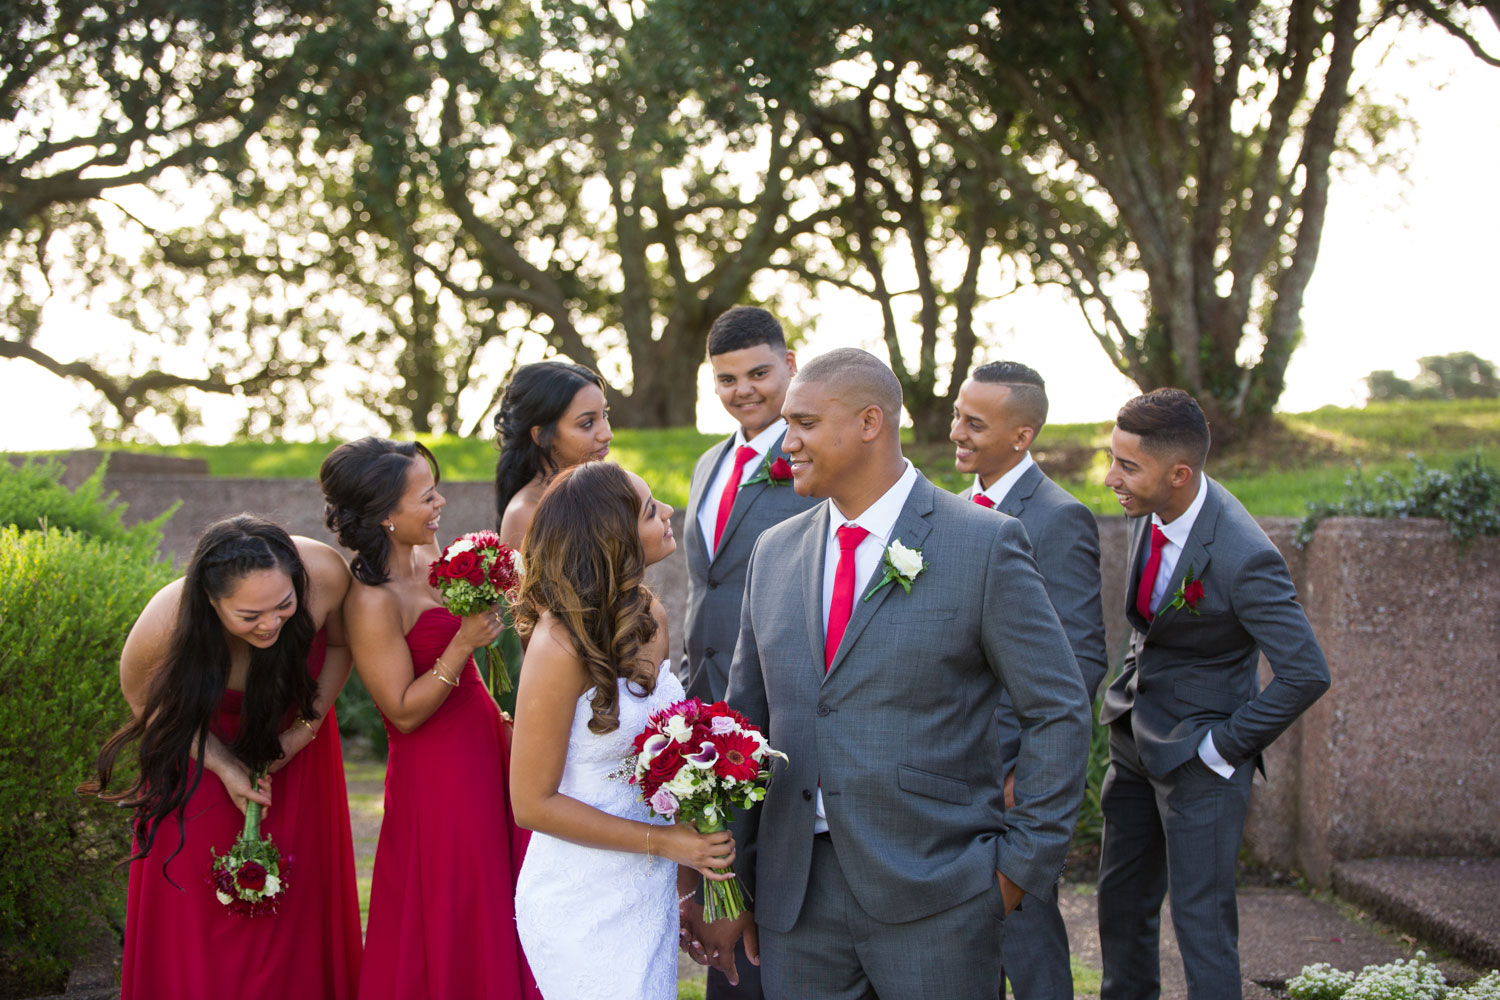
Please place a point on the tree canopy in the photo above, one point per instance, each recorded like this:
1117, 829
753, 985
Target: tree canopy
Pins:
404, 201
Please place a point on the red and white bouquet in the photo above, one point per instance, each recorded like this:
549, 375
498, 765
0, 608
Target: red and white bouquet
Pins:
694, 762
476, 573
250, 879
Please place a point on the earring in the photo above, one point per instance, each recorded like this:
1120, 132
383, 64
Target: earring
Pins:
390, 527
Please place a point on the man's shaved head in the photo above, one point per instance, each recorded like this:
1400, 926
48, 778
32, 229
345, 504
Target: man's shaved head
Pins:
857, 379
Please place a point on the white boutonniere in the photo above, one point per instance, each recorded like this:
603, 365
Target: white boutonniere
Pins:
901, 566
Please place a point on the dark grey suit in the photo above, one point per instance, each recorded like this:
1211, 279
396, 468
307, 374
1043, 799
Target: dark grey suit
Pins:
899, 732
1168, 817
713, 610
715, 588
1065, 541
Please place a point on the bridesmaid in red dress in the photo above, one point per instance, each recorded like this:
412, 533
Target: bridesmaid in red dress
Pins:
238, 664
442, 900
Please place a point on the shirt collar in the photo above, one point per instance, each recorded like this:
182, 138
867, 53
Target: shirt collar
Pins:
880, 517
1001, 487
1177, 532
761, 442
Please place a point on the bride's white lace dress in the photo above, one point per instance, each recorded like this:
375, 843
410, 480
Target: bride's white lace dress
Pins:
598, 923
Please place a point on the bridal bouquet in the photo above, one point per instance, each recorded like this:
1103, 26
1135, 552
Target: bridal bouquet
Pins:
694, 762
473, 574
249, 879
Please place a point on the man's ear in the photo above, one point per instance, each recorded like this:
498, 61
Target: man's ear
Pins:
871, 422
1024, 437
1181, 475
791, 362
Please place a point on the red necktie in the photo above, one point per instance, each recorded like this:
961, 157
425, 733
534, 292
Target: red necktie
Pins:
850, 535
1148, 575
726, 500
984, 501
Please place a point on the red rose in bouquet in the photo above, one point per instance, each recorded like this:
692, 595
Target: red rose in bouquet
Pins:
476, 573
251, 878
694, 762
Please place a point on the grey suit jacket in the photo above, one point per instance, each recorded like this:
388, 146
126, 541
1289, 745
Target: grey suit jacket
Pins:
715, 588
899, 730
1186, 673
1065, 543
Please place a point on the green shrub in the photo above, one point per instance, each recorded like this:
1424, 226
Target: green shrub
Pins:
1089, 830
359, 719
33, 497
1468, 499
67, 601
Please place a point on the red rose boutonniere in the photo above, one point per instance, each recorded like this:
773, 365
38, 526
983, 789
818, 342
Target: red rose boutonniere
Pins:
777, 473
1189, 592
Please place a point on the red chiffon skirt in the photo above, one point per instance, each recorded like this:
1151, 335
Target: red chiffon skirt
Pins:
442, 901
183, 943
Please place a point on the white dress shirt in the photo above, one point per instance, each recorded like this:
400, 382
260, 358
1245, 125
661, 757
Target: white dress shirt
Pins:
708, 510
879, 519
1001, 487
1177, 535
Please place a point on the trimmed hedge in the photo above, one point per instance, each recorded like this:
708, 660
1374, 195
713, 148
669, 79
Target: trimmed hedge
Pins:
67, 601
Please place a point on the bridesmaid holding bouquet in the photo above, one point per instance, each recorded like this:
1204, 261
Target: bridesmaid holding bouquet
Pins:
442, 906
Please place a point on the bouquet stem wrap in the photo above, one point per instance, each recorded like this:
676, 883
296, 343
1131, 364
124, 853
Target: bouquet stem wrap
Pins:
721, 900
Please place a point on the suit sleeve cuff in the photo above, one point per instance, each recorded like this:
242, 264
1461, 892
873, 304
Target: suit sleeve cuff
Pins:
1209, 754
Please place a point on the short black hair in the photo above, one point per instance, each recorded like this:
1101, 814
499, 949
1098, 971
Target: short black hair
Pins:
744, 326
1168, 422
1027, 390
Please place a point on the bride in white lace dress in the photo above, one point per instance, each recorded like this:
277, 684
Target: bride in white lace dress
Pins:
595, 903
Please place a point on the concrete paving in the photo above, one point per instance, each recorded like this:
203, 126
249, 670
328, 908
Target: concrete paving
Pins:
1452, 902
1281, 931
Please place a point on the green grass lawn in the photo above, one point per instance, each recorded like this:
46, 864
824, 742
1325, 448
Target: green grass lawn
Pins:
1303, 457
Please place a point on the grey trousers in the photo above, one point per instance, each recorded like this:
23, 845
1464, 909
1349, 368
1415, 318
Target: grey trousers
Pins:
837, 951
1180, 832
1035, 954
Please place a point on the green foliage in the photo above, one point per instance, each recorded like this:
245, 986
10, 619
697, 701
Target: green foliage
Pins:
1468, 499
67, 601
358, 717
32, 496
1461, 375
1088, 832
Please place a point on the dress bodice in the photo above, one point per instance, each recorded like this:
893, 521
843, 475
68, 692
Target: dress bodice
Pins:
594, 757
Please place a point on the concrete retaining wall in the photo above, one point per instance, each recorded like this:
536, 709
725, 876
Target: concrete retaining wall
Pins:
1402, 756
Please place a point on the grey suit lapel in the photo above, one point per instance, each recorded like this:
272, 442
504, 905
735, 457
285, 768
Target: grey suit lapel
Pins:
1195, 555
911, 528
1015, 500
811, 555
703, 477
749, 494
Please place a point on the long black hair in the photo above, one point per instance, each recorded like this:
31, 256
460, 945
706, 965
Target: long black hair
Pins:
363, 481
537, 396
184, 694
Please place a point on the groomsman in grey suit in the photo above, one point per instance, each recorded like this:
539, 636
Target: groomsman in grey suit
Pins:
1208, 594
878, 633
1000, 409
740, 487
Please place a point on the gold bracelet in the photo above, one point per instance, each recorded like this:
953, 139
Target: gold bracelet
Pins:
440, 675
310, 727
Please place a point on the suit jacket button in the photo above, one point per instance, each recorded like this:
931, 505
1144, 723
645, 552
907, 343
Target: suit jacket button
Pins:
713, 585
823, 710
709, 651
807, 795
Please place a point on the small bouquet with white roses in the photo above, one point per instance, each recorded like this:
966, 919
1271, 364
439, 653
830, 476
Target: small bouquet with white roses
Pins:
250, 879
694, 762
475, 573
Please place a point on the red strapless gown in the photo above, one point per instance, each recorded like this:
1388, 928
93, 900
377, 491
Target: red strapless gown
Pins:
442, 901
182, 943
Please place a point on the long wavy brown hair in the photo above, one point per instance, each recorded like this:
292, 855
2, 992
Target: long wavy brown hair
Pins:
584, 563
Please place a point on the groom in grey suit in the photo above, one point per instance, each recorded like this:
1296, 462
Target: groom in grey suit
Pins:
882, 861
1208, 594
736, 493
1000, 409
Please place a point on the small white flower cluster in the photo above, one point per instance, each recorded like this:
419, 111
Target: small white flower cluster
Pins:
1416, 979
1320, 982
